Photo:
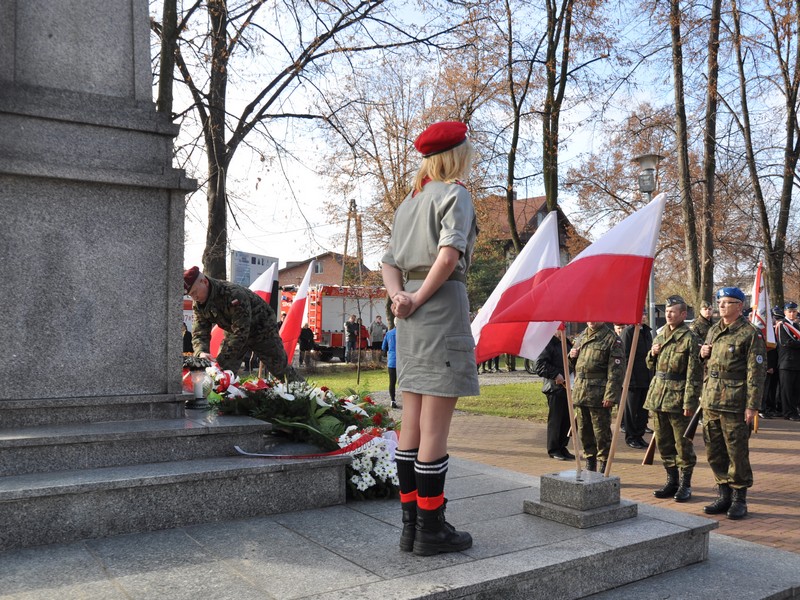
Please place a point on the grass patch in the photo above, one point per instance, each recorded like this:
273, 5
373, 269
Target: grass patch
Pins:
512, 400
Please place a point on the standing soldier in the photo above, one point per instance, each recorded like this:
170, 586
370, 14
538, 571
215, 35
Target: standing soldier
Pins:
673, 397
703, 323
599, 365
734, 352
249, 324
789, 363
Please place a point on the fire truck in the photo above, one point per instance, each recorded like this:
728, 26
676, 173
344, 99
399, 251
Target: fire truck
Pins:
329, 306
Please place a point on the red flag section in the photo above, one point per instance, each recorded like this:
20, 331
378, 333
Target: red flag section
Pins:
261, 286
606, 282
290, 331
538, 260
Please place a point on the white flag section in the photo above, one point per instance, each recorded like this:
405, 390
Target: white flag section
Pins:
290, 331
761, 316
261, 286
539, 259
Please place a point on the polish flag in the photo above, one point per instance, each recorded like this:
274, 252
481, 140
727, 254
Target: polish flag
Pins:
290, 331
261, 286
538, 260
761, 316
607, 282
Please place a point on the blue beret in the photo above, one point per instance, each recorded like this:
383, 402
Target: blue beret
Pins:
790, 305
730, 292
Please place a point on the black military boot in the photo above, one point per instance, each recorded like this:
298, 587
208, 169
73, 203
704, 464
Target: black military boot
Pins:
601, 466
738, 509
684, 493
671, 486
435, 535
409, 525
722, 503
591, 464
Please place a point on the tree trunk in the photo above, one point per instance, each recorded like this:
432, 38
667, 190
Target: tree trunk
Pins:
684, 178
710, 160
216, 149
169, 39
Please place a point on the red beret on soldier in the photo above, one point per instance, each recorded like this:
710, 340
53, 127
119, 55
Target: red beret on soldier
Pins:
189, 277
441, 137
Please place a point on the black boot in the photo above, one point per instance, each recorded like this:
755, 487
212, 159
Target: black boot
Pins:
409, 525
738, 509
722, 503
591, 464
435, 535
684, 493
601, 467
671, 486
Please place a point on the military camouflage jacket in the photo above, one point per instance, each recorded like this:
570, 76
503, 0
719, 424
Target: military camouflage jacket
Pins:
678, 379
736, 369
237, 310
700, 327
599, 368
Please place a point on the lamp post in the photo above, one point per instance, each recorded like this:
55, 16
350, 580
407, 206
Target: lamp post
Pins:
647, 185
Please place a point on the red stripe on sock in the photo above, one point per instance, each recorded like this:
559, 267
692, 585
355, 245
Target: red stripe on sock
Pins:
430, 503
409, 497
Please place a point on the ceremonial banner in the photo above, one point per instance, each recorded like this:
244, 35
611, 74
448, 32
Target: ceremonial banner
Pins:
606, 282
538, 260
261, 286
761, 316
290, 331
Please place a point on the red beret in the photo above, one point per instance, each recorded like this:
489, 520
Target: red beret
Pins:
441, 137
189, 277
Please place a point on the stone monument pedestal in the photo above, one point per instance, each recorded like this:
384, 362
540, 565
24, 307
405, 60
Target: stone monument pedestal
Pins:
582, 501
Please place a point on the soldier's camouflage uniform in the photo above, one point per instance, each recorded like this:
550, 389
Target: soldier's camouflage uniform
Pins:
700, 327
599, 372
734, 381
676, 387
249, 324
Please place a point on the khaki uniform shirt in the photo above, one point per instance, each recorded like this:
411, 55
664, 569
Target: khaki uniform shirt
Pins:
736, 369
678, 379
599, 368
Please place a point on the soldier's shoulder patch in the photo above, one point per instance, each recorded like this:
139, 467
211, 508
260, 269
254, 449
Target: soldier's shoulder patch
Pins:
618, 341
759, 359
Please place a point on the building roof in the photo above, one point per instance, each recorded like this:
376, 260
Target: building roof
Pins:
336, 256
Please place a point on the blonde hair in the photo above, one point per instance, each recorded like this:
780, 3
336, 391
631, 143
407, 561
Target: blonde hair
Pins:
446, 166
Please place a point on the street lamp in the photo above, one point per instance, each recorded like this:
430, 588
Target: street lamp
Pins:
647, 185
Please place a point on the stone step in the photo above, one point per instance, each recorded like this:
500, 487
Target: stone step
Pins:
46, 508
61, 411
114, 443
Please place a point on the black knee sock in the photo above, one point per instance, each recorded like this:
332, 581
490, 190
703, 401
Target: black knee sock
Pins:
405, 473
430, 482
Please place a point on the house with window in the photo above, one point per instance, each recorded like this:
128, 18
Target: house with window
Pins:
327, 271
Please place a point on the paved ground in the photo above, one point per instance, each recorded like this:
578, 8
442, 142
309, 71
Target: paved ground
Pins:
773, 501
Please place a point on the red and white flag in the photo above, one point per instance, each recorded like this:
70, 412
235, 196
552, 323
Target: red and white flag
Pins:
261, 286
606, 282
761, 316
290, 331
538, 260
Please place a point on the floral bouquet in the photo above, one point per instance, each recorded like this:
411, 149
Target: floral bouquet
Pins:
307, 413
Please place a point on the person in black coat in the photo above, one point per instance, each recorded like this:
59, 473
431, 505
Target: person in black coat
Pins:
550, 367
789, 363
306, 342
635, 417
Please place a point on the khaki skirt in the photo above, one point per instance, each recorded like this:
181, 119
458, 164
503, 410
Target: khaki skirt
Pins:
435, 349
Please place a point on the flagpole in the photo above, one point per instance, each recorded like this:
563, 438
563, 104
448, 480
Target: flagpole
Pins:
623, 400
576, 443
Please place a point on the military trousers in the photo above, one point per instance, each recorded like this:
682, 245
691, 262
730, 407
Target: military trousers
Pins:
268, 347
675, 450
727, 439
594, 428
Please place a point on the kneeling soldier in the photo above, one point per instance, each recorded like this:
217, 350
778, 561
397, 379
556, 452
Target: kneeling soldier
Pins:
735, 353
673, 397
